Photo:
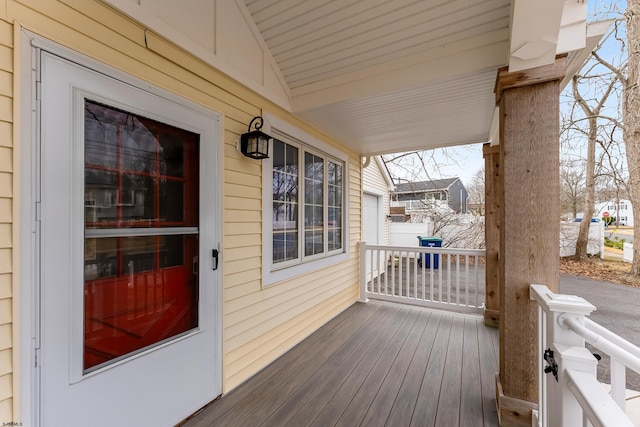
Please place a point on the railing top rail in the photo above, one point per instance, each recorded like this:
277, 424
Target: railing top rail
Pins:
616, 339
586, 389
426, 249
552, 302
541, 294
565, 329
601, 343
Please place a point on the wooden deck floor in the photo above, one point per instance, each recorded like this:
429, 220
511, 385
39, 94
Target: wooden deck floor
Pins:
376, 364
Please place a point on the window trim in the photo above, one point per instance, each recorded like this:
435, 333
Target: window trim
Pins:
305, 142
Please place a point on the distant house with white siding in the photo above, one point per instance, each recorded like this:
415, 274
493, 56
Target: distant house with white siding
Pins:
620, 209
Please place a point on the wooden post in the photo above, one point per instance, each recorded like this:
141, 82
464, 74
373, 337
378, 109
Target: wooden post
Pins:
529, 225
492, 201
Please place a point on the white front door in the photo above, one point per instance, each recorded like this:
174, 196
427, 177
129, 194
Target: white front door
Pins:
129, 291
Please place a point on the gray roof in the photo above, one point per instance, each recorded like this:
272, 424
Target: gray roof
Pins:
425, 186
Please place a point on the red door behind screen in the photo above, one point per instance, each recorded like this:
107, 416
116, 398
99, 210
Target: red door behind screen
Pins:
141, 233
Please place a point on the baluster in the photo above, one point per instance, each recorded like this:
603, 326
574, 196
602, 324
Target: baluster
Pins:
476, 284
439, 279
407, 276
422, 269
431, 279
393, 274
362, 245
466, 288
415, 275
448, 279
542, 378
618, 383
386, 273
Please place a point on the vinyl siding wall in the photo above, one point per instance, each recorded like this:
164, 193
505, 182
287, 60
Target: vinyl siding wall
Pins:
6, 215
373, 181
258, 324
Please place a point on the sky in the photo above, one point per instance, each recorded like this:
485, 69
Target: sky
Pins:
462, 161
465, 161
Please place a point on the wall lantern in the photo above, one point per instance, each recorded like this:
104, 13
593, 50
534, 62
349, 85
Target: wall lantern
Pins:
255, 144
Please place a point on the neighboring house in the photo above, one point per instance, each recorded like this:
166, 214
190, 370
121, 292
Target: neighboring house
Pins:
476, 208
147, 266
416, 195
621, 210
377, 186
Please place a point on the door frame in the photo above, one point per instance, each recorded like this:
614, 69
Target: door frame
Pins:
379, 227
379, 213
26, 320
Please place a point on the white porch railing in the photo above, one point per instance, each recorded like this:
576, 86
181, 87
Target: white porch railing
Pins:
433, 277
569, 393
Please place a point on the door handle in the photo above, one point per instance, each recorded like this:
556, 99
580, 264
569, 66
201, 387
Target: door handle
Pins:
215, 253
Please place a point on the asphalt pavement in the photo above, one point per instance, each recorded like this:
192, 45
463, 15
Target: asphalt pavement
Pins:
617, 309
625, 233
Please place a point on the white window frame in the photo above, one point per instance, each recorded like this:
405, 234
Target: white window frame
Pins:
273, 273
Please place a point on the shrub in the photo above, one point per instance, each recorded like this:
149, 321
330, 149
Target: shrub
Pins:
615, 243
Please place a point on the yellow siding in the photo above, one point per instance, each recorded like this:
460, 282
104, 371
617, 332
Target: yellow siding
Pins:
259, 323
6, 159
6, 363
6, 215
5, 286
6, 134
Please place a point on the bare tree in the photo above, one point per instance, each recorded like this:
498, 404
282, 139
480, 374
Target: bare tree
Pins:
572, 190
631, 117
628, 74
456, 231
475, 189
411, 166
588, 118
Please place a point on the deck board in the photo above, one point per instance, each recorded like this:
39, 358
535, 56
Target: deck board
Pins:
324, 391
375, 364
378, 411
449, 405
488, 367
387, 369
344, 395
237, 403
426, 408
405, 402
471, 380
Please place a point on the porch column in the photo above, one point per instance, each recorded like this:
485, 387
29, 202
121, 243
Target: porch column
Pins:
529, 225
492, 203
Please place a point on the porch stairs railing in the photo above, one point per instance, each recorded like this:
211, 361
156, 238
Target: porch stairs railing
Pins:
451, 279
569, 393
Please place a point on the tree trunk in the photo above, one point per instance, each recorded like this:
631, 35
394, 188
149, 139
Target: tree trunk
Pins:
631, 117
589, 194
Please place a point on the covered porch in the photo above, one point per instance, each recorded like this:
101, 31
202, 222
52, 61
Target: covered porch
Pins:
375, 364
349, 81
384, 77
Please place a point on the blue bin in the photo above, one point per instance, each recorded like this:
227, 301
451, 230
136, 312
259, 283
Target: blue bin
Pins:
430, 242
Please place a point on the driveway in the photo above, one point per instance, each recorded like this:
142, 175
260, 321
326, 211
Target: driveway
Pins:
617, 309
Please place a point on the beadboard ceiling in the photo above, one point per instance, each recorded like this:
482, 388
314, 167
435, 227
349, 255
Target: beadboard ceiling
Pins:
388, 76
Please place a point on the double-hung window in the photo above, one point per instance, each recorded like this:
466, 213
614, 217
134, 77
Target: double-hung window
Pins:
307, 224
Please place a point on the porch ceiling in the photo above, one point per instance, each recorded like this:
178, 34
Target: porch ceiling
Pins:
386, 76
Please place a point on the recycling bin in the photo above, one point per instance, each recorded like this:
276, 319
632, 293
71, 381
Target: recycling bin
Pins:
430, 242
